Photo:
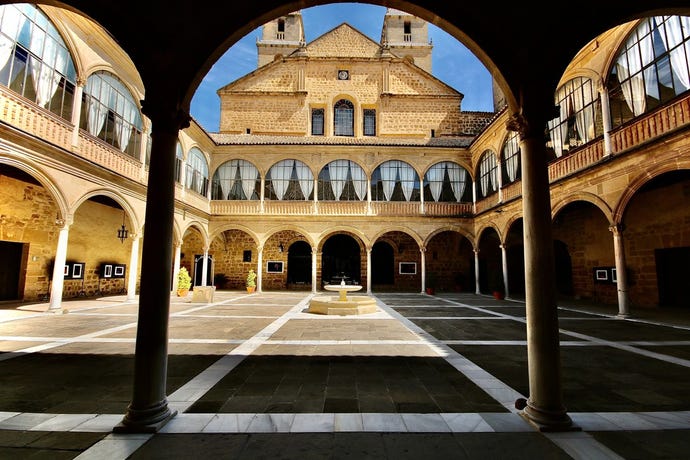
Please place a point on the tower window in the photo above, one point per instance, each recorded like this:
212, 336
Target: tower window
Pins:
369, 122
407, 31
344, 118
280, 35
317, 122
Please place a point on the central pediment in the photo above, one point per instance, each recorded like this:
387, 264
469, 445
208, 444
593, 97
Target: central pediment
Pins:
344, 41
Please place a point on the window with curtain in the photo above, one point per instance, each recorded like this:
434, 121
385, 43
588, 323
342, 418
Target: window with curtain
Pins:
342, 180
236, 180
511, 158
488, 174
179, 160
34, 60
447, 182
369, 116
395, 180
289, 180
196, 171
110, 113
579, 119
651, 68
317, 122
344, 118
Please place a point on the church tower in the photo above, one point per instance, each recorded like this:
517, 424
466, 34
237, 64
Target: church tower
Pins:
280, 37
407, 36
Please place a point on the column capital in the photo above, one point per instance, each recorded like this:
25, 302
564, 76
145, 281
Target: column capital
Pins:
165, 117
616, 229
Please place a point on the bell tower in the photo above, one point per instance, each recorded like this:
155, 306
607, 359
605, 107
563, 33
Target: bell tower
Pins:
280, 37
407, 36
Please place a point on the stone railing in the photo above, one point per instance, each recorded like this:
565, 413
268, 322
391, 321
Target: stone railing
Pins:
17, 111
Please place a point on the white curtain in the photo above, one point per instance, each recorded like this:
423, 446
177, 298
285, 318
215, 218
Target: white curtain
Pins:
510, 152
41, 74
123, 124
630, 75
248, 174
305, 178
337, 170
458, 177
484, 174
98, 91
407, 179
494, 172
389, 172
359, 180
584, 112
434, 177
280, 176
12, 23
226, 177
680, 56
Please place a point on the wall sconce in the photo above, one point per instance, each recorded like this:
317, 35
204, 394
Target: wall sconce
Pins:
280, 247
123, 232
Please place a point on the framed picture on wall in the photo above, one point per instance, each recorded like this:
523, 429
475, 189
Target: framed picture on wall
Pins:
614, 278
66, 271
118, 271
601, 274
407, 268
274, 266
107, 271
78, 270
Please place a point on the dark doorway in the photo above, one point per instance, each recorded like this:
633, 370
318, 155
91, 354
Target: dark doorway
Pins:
671, 276
564, 269
12, 256
341, 257
382, 264
299, 264
199, 270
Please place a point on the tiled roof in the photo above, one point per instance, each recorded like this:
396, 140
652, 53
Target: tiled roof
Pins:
259, 139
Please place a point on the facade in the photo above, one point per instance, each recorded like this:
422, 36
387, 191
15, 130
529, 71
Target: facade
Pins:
343, 157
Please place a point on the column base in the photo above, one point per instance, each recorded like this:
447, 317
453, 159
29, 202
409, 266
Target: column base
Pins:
545, 420
149, 420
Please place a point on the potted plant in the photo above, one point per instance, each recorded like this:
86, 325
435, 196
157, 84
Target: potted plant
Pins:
497, 288
251, 280
430, 282
184, 282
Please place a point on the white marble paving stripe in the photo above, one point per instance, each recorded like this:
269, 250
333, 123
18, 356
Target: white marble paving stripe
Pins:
115, 447
20, 317
346, 342
631, 319
456, 317
496, 422
188, 393
497, 389
582, 446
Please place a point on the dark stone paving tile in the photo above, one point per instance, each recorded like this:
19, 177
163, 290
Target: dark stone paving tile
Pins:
618, 329
81, 383
437, 311
36, 445
595, 379
645, 445
380, 384
473, 329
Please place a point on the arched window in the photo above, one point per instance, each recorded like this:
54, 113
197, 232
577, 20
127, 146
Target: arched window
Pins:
197, 172
394, 180
34, 60
110, 113
488, 174
511, 159
236, 180
580, 116
342, 180
344, 118
289, 180
179, 160
447, 182
651, 68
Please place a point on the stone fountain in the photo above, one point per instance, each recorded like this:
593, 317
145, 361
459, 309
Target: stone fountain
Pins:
342, 304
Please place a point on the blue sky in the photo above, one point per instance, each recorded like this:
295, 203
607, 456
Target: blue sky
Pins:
452, 62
